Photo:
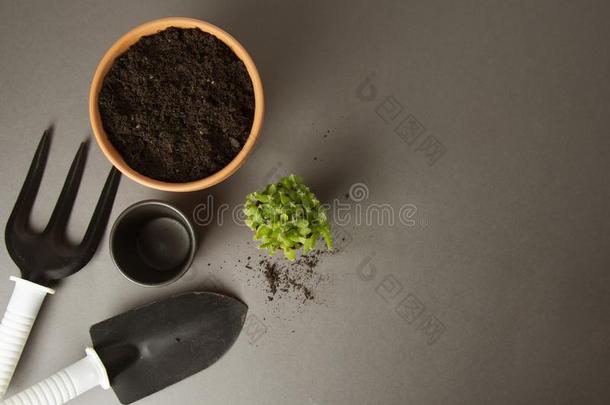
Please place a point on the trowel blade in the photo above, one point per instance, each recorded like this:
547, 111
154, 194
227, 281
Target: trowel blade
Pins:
151, 347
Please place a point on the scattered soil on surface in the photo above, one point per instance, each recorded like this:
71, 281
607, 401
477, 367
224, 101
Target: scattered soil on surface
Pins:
177, 105
283, 278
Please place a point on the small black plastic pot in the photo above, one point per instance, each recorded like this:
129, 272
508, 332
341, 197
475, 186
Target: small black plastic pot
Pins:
152, 243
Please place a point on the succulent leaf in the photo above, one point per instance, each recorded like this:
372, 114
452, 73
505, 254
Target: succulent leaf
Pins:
287, 216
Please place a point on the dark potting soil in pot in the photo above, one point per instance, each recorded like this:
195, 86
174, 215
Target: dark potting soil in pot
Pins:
177, 105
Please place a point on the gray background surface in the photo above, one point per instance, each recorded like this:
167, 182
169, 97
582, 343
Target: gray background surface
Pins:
509, 250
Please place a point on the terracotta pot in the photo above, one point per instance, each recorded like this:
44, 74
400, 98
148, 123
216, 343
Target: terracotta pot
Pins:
121, 46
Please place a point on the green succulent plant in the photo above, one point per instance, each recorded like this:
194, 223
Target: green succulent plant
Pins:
287, 216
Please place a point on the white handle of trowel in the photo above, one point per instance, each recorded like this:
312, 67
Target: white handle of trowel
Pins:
16, 325
66, 384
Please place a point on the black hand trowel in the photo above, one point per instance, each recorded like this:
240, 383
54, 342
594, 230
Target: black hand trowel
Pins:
147, 349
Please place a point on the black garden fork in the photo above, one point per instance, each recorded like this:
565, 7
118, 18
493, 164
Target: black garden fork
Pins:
46, 257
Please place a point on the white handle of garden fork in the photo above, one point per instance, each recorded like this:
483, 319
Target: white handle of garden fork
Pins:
16, 325
65, 385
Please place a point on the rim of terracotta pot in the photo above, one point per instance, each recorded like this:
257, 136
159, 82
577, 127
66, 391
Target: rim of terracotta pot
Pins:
120, 46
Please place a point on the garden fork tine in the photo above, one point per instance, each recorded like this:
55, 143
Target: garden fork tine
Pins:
25, 201
45, 257
96, 227
86, 249
65, 202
